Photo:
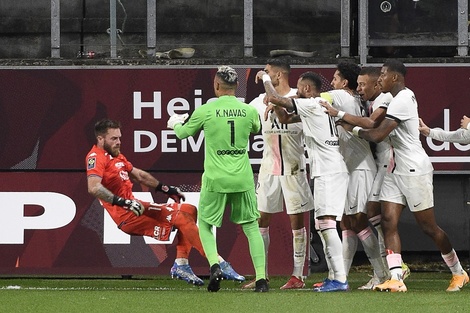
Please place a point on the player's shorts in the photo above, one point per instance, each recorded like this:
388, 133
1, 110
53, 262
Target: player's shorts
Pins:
294, 190
157, 220
374, 195
414, 191
244, 207
360, 184
329, 193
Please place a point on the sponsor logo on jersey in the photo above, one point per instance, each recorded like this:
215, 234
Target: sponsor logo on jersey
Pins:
332, 142
231, 152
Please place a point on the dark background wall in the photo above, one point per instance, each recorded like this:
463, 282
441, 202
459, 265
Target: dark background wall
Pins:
213, 28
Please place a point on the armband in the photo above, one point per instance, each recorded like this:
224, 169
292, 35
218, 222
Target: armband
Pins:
266, 78
356, 130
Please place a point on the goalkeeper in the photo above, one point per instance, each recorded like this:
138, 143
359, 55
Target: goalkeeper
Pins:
109, 176
228, 176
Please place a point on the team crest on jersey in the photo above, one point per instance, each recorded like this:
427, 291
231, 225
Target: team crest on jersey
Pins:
91, 163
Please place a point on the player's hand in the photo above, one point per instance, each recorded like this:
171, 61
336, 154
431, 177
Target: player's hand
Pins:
465, 122
269, 109
423, 128
132, 205
176, 119
172, 192
328, 108
135, 207
259, 76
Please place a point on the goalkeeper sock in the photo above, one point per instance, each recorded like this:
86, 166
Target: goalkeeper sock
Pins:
181, 261
256, 245
208, 242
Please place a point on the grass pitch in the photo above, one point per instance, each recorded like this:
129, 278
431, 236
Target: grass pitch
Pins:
426, 293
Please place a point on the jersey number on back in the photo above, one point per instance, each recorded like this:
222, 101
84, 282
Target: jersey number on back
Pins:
232, 132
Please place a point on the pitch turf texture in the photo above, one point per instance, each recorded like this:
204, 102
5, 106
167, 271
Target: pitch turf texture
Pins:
426, 293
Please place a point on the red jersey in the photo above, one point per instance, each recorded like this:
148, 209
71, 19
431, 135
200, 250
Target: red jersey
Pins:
157, 220
114, 172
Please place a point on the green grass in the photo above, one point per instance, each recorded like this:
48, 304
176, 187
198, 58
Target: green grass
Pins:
426, 293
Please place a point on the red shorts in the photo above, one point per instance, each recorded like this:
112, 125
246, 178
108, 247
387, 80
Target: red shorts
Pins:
157, 221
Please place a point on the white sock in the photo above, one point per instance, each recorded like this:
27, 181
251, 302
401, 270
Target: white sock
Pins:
266, 240
181, 261
394, 264
371, 248
334, 248
452, 261
299, 243
350, 242
331, 274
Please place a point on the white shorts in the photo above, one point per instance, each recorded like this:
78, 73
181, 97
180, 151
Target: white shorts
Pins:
273, 191
414, 191
329, 193
359, 187
374, 195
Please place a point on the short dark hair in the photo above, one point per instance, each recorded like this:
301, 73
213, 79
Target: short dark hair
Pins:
281, 63
349, 71
395, 66
102, 126
370, 71
312, 77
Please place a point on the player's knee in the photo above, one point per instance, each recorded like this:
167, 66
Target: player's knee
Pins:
189, 209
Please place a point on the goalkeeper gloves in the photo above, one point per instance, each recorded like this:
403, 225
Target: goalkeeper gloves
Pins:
176, 119
171, 191
132, 205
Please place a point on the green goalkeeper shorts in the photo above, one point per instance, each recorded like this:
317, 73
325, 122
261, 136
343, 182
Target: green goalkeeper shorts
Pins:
244, 207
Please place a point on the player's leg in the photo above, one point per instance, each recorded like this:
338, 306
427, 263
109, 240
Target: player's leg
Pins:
330, 198
181, 268
298, 201
264, 222
186, 221
270, 201
371, 248
244, 212
349, 242
211, 211
331, 274
327, 225
419, 196
390, 216
426, 221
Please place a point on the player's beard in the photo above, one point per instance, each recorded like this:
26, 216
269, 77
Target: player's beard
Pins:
114, 151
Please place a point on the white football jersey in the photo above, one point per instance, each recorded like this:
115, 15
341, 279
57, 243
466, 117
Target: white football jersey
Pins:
321, 138
409, 155
283, 152
383, 152
356, 151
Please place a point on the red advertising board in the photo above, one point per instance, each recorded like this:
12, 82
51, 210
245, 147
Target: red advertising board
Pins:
52, 225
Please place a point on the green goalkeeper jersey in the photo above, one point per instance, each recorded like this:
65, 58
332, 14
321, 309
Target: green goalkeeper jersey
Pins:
227, 124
